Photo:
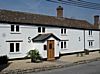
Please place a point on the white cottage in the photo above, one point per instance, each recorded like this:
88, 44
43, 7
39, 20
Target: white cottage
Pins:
51, 35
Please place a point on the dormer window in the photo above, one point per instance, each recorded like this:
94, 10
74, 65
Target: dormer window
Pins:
14, 28
41, 29
90, 32
63, 31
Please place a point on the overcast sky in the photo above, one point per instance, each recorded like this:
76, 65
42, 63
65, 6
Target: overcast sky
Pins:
48, 8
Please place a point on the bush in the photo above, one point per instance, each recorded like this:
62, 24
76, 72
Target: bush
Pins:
3, 59
34, 55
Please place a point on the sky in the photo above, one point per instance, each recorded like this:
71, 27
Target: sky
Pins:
48, 8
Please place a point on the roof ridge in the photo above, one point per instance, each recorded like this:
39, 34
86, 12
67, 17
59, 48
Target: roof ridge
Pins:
22, 12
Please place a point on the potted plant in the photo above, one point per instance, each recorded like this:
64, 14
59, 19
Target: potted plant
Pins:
34, 55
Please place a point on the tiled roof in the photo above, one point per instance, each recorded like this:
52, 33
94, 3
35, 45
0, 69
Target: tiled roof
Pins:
43, 37
22, 17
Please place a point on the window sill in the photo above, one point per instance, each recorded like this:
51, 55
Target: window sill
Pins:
64, 35
90, 46
90, 35
15, 33
14, 53
41, 32
64, 49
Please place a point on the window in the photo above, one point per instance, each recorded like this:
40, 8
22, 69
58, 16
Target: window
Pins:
50, 46
63, 45
12, 27
14, 47
15, 28
17, 47
45, 47
90, 43
63, 31
11, 47
90, 32
41, 29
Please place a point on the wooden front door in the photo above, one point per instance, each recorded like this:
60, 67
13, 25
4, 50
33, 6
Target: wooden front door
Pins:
50, 50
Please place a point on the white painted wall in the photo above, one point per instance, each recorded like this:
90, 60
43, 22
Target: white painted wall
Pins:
73, 44
25, 32
3, 36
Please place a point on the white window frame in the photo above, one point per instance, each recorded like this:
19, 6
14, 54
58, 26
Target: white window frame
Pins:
41, 29
15, 47
90, 32
63, 31
64, 44
91, 44
15, 29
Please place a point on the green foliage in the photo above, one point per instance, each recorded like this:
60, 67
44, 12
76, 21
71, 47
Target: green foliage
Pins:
34, 55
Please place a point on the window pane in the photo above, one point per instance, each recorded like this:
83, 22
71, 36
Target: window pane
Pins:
91, 43
43, 29
64, 31
11, 47
17, 47
45, 47
61, 31
64, 44
39, 29
91, 32
61, 44
12, 27
50, 46
17, 28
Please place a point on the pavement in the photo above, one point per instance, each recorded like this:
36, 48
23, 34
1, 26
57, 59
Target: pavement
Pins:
26, 66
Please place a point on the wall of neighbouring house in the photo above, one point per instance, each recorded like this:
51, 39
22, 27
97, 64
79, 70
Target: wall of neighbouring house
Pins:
94, 38
75, 41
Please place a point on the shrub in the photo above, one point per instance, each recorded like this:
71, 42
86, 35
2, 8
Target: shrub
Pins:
3, 59
34, 55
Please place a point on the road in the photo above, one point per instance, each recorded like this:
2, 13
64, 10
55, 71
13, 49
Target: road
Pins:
89, 68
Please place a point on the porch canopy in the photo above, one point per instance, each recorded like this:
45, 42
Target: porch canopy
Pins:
44, 37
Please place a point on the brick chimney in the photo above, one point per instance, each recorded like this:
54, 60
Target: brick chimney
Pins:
59, 11
96, 21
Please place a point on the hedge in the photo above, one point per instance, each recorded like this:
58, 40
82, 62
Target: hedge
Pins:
3, 59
